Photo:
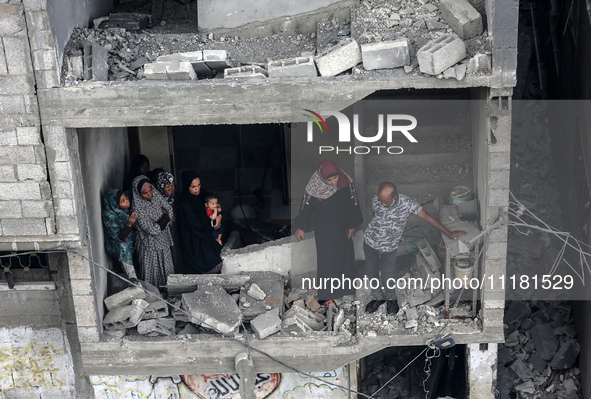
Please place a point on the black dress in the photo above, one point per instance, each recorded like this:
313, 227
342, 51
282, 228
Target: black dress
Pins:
331, 220
200, 250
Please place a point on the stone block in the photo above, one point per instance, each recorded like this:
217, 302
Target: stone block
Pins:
125, 316
8, 137
12, 20
266, 324
479, 63
155, 310
48, 79
441, 53
339, 59
212, 307
462, 17
247, 71
10, 209
218, 59
31, 172
382, 55
28, 135
124, 298
178, 284
292, 67
28, 190
39, 209
156, 327
16, 50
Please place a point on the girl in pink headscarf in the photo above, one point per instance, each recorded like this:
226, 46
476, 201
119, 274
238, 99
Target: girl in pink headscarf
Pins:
330, 207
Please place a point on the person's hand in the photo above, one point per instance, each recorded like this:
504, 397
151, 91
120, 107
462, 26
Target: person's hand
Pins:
164, 209
131, 219
455, 233
218, 222
351, 233
299, 234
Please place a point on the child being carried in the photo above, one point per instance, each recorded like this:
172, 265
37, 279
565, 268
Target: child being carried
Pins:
213, 209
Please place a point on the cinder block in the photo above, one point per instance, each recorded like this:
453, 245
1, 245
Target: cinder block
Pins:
194, 57
38, 20
88, 334
16, 51
212, 307
8, 137
13, 85
292, 67
45, 190
247, 71
180, 70
28, 190
3, 66
495, 250
42, 40
218, 59
67, 225
499, 161
64, 207
24, 227
48, 79
12, 20
124, 298
10, 209
266, 324
12, 105
156, 310
155, 71
28, 135
37, 209
63, 189
479, 63
339, 59
31, 172
441, 53
381, 55
305, 316
36, 5
81, 287
79, 268
55, 139
125, 316
40, 157
461, 17
7, 173
61, 170
498, 179
498, 197
31, 105
156, 327
44, 60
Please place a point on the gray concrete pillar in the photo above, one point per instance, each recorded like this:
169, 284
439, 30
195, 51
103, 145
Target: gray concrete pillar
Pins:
245, 369
482, 370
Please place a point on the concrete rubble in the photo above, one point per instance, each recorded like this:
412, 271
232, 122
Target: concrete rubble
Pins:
124, 298
212, 307
376, 38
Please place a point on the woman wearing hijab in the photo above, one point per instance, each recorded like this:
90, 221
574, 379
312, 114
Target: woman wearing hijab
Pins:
119, 234
153, 240
330, 205
201, 251
166, 185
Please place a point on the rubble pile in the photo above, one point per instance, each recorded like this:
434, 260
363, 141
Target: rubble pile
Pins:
224, 303
538, 358
442, 38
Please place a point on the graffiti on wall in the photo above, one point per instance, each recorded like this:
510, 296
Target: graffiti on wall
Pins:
222, 386
34, 361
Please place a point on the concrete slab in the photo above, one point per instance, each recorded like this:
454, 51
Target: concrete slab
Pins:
124, 298
381, 55
178, 284
441, 53
338, 59
266, 324
270, 283
212, 307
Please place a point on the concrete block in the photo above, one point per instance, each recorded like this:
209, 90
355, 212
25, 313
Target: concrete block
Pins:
256, 292
498, 197
294, 325
125, 316
85, 309
153, 294
16, 154
12, 105
28, 190
499, 161
3, 66
156, 310
60, 170
495, 250
194, 57
38, 20
339, 59
81, 287
266, 324
441, 53
48, 79
270, 283
16, 51
180, 70
64, 207
292, 67
498, 179
45, 190
7, 173
8, 137
63, 189
178, 284
50, 225
44, 60
461, 17
28, 135
56, 144
13, 85
31, 172
100, 66
88, 334
42, 40
10, 209
479, 63
67, 225
156, 327
12, 20
429, 255
75, 67
41, 209
31, 105
381, 55
218, 59
212, 307
36, 5
124, 298
247, 71
305, 316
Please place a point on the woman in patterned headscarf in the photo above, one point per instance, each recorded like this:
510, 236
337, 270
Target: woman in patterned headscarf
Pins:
153, 240
331, 207
119, 234
166, 185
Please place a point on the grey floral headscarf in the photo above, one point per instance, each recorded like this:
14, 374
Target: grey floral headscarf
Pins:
163, 180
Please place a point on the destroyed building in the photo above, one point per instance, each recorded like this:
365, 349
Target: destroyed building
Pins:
81, 92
